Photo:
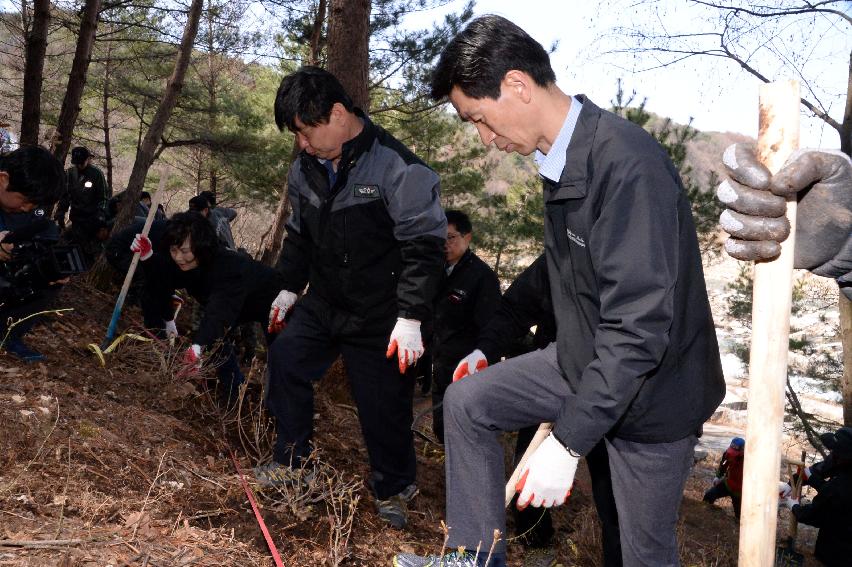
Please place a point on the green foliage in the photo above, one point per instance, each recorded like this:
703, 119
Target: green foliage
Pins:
740, 301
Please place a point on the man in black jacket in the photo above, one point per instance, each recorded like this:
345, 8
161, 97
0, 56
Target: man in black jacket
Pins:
367, 233
467, 298
635, 362
86, 194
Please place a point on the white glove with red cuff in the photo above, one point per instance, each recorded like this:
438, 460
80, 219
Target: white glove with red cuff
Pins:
471, 364
280, 307
784, 490
192, 359
142, 245
548, 476
406, 342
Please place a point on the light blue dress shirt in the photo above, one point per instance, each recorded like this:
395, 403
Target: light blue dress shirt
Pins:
551, 164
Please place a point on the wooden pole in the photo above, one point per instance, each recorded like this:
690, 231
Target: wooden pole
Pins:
128, 279
778, 137
540, 435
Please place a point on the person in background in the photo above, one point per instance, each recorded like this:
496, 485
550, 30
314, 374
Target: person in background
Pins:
231, 288
729, 476
87, 196
831, 509
466, 300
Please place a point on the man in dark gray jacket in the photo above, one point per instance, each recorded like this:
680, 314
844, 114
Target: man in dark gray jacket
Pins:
367, 233
635, 361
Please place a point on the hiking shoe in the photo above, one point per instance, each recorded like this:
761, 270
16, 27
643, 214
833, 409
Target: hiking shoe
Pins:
20, 350
453, 559
394, 511
409, 492
539, 557
274, 475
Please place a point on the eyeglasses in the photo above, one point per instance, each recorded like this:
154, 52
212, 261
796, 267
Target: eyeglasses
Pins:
451, 237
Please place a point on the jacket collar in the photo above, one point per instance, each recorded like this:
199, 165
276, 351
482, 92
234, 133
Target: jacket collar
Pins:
354, 148
572, 182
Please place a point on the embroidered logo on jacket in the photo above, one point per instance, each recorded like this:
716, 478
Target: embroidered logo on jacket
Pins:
367, 191
578, 240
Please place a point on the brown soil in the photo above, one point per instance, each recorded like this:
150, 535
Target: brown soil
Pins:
128, 465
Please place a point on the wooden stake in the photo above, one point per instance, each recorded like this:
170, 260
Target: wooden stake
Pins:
540, 435
778, 137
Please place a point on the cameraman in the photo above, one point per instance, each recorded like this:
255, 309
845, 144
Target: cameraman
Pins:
30, 177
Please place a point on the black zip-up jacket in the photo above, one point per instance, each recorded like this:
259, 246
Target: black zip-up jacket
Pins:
87, 203
232, 287
635, 336
525, 303
372, 244
465, 302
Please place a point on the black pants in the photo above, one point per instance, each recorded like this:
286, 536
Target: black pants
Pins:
312, 340
442, 377
721, 491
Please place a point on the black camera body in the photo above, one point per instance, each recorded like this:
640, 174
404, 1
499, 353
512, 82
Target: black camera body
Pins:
35, 264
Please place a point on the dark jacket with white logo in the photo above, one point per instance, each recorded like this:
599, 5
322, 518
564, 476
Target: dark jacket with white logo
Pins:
465, 302
371, 244
635, 335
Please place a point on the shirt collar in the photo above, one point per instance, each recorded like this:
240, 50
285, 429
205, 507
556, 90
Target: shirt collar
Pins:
551, 164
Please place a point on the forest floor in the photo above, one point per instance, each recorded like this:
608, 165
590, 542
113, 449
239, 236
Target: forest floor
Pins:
127, 464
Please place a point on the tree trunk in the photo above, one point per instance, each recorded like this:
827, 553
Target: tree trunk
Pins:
106, 116
77, 78
348, 48
145, 154
36, 42
845, 307
316, 34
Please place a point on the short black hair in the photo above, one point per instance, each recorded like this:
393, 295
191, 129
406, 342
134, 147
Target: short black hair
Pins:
35, 174
460, 220
144, 195
198, 203
201, 235
478, 58
210, 196
308, 94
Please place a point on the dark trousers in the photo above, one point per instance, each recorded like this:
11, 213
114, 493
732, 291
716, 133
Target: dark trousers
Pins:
312, 340
721, 491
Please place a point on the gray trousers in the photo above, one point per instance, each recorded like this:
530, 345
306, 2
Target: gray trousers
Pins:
647, 479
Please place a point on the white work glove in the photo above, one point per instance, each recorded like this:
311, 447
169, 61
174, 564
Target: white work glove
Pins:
471, 364
142, 245
406, 342
548, 476
280, 307
788, 502
171, 330
784, 490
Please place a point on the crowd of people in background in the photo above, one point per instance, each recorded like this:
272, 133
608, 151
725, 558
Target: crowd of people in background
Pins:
607, 335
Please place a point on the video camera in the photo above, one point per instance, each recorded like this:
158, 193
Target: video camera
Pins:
36, 263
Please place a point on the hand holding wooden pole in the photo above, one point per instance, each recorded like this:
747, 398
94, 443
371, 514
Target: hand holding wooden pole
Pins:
778, 137
540, 435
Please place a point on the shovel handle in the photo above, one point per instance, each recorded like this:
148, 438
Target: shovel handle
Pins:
540, 435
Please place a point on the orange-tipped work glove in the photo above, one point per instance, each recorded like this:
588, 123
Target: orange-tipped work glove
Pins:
471, 364
282, 305
406, 342
548, 476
